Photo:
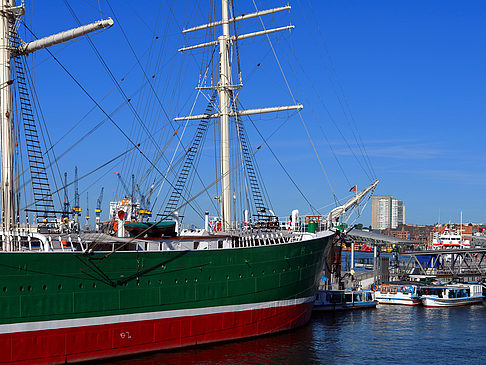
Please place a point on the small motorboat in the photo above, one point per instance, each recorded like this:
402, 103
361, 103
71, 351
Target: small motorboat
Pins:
396, 293
333, 300
451, 295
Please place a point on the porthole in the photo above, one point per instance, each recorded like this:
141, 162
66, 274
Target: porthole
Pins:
44, 287
185, 280
59, 287
94, 285
240, 276
4, 289
175, 281
263, 272
195, 280
251, 274
160, 282
227, 277
148, 282
29, 288
21, 288
80, 285
209, 278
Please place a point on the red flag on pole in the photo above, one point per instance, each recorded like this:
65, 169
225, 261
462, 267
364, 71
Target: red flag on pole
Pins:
354, 188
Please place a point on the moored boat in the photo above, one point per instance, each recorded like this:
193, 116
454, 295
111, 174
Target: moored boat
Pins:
402, 293
449, 238
334, 300
451, 295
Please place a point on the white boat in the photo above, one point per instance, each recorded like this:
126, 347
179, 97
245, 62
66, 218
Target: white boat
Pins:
405, 294
453, 295
450, 238
333, 300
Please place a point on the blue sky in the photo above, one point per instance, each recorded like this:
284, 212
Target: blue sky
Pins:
412, 73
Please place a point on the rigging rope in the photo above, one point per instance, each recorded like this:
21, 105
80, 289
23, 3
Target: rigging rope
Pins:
293, 99
358, 139
86, 175
265, 141
135, 145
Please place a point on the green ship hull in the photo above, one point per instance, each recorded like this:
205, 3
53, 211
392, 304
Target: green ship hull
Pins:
117, 303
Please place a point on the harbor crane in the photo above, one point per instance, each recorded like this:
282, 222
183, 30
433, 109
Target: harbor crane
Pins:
144, 210
86, 227
66, 207
76, 208
148, 209
98, 211
129, 194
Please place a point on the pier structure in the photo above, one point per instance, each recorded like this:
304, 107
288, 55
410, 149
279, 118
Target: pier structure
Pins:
464, 264
468, 264
338, 277
380, 264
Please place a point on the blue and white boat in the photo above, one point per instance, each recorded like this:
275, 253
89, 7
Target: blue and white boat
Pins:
333, 300
451, 295
404, 294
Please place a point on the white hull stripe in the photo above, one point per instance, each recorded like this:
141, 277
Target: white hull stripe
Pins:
135, 317
397, 299
447, 302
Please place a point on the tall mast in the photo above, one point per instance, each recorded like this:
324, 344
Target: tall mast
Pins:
8, 15
224, 102
224, 88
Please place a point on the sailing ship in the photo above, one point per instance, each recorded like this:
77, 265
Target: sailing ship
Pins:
68, 297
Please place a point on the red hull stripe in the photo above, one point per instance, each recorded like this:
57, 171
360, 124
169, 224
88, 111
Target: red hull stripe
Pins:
122, 338
93, 321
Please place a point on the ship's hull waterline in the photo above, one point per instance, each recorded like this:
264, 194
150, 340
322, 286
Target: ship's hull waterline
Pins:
447, 302
63, 307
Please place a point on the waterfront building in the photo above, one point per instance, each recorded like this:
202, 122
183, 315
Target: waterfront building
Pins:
387, 212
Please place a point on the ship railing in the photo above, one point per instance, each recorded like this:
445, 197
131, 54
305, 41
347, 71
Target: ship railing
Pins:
23, 240
304, 224
262, 238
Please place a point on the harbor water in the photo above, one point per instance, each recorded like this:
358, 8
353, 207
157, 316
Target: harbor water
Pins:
389, 334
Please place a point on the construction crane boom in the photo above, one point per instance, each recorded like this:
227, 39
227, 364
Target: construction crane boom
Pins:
122, 182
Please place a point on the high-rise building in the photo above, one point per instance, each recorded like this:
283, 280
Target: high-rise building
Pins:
401, 213
386, 212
